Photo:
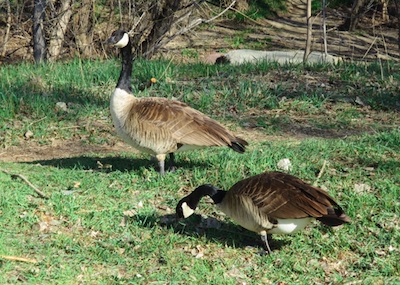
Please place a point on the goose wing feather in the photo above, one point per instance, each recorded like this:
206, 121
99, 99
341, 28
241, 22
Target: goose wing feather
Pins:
179, 122
282, 196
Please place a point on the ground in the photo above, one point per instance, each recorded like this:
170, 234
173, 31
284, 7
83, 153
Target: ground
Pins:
373, 39
286, 31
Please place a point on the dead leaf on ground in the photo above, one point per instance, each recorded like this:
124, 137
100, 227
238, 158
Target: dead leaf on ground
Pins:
362, 188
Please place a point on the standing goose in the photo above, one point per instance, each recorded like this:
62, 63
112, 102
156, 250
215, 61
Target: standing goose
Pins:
160, 126
269, 203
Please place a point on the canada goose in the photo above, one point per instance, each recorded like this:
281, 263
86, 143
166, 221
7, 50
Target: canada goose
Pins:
269, 203
160, 126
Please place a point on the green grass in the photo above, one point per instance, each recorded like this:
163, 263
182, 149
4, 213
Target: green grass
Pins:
109, 217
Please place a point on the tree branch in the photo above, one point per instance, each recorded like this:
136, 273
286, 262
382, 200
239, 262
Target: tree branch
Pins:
191, 26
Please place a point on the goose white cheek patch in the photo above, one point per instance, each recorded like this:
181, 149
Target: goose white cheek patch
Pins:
187, 211
123, 42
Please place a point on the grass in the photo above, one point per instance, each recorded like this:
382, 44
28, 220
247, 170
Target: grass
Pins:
109, 217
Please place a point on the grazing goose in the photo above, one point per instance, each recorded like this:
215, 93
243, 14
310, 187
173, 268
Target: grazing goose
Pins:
160, 126
269, 203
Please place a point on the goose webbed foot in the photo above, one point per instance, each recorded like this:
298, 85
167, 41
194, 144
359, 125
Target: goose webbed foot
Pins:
172, 167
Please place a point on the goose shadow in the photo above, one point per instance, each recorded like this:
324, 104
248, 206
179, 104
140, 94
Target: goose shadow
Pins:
114, 163
217, 231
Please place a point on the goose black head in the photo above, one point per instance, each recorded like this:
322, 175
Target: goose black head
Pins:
119, 39
187, 205
183, 209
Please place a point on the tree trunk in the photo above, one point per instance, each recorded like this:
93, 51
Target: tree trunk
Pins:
324, 36
398, 24
309, 33
59, 29
385, 13
83, 27
39, 42
162, 17
351, 22
8, 27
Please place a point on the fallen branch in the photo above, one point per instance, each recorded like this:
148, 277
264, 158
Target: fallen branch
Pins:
320, 173
23, 178
370, 46
16, 258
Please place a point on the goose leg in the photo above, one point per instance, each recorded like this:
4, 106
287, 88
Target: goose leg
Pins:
172, 166
161, 163
264, 238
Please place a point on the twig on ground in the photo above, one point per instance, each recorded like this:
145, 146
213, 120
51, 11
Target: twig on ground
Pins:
320, 173
34, 122
369, 48
17, 258
23, 178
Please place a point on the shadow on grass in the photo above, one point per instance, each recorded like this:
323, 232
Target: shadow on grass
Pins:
214, 230
109, 164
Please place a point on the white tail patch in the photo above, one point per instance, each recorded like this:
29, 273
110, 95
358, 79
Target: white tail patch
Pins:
289, 226
187, 211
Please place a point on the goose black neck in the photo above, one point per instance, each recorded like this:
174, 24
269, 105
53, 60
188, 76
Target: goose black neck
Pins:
213, 192
124, 81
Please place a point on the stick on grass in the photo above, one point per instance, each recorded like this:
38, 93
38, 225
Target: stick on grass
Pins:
320, 173
23, 178
17, 258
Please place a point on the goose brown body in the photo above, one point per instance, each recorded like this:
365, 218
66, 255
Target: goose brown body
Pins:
270, 203
264, 199
161, 126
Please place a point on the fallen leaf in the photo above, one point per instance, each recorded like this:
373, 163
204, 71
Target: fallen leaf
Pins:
197, 252
362, 188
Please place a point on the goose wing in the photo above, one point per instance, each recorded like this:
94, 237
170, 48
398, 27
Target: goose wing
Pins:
182, 123
283, 196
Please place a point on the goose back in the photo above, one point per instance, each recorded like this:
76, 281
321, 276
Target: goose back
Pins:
270, 197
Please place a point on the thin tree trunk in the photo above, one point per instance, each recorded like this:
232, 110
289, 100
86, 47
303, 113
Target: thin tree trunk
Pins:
309, 33
398, 23
350, 24
8, 27
83, 27
162, 19
59, 29
324, 28
39, 42
385, 14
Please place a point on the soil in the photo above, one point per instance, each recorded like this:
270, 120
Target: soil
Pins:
286, 31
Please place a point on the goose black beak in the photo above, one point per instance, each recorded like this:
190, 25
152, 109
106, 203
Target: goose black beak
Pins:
108, 41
